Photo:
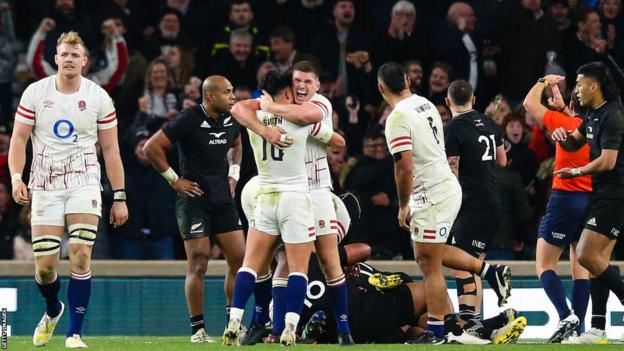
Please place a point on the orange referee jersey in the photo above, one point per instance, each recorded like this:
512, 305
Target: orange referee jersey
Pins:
553, 120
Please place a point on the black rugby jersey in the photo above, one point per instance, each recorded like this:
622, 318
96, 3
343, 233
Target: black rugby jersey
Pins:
603, 128
474, 137
204, 143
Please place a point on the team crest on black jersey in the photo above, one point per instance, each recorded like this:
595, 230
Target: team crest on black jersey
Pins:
82, 105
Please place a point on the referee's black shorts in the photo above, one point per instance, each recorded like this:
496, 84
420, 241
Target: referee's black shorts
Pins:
474, 229
197, 220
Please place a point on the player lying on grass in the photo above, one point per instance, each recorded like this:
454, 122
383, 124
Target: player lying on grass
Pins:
387, 308
367, 303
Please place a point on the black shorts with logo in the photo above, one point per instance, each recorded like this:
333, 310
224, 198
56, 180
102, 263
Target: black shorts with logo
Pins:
606, 217
197, 220
474, 229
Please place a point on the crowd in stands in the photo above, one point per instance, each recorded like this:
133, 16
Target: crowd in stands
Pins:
152, 55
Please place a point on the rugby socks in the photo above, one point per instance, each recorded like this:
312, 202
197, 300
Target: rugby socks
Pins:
611, 278
243, 288
599, 296
78, 293
337, 289
50, 295
279, 304
580, 299
487, 272
197, 322
296, 292
228, 308
556, 292
451, 324
435, 326
262, 299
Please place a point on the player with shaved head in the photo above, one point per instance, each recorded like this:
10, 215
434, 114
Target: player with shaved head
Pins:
210, 154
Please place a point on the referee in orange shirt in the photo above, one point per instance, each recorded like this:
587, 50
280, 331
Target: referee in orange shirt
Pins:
565, 213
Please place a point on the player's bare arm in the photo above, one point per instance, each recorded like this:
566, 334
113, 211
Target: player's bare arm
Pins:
533, 101
604, 163
156, 150
501, 156
403, 173
245, 113
303, 114
453, 162
235, 156
337, 141
17, 160
114, 170
569, 140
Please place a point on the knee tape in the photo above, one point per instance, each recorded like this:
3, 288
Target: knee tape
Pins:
46, 245
81, 233
466, 286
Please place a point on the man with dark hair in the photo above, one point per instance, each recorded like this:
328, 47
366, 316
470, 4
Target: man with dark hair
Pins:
343, 50
284, 208
372, 180
474, 147
283, 48
241, 17
311, 107
602, 129
210, 155
429, 200
587, 45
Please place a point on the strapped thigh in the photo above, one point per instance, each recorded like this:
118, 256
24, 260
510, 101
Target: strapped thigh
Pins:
46, 245
81, 233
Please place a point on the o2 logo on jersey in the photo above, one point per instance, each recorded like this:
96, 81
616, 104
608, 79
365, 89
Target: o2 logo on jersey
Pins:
443, 232
64, 129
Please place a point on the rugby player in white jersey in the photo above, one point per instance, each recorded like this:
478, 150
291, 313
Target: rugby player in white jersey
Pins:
66, 115
429, 194
311, 107
284, 208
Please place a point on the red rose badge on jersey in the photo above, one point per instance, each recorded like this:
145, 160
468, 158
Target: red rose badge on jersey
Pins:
82, 105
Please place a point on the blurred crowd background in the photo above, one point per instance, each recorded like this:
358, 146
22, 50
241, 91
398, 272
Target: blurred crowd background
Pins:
152, 55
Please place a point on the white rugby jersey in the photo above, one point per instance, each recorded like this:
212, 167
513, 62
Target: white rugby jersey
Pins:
285, 170
317, 167
415, 125
64, 134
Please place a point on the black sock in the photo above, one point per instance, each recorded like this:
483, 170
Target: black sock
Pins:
197, 322
611, 278
227, 314
466, 312
494, 323
451, 325
599, 295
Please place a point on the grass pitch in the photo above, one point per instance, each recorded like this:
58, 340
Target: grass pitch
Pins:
140, 343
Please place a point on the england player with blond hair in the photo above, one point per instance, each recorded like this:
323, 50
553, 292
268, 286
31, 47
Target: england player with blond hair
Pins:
66, 115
